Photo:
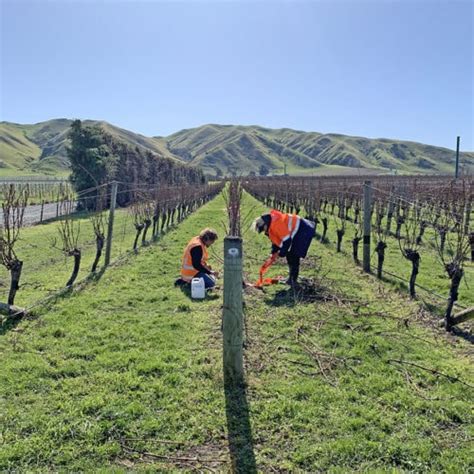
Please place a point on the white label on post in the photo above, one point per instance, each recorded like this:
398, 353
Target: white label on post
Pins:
233, 252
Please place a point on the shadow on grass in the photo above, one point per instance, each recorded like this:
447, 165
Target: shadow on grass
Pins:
318, 238
306, 292
463, 333
286, 297
97, 275
436, 309
238, 426
9, 324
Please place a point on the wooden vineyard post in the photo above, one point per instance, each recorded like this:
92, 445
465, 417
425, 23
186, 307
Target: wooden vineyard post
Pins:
232, 318
367, 218
391, 206
42, 209
110, 229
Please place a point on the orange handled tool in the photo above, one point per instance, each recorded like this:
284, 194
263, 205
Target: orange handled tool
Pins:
263, 269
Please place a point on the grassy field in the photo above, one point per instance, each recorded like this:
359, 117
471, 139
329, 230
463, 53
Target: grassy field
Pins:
46, 269
31, 174
432, 274
126, 374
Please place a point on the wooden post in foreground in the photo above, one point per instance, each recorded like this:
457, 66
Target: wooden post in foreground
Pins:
232, 318
367, 219
110, 229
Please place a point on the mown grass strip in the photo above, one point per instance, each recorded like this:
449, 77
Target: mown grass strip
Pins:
127, 374
324, 393
129, 357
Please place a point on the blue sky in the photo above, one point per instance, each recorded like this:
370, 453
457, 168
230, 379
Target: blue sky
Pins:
395, 69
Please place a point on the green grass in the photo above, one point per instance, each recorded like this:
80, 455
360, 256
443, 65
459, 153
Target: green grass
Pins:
20, 153
432, 274
16, 151
131, 364
46, 269
129, 357
33, 174
232, 148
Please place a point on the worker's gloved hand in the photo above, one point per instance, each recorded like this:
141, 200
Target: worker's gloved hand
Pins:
215, 273
270, 260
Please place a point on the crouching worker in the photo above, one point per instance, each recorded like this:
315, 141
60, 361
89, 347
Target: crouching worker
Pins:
195, 257
291, 236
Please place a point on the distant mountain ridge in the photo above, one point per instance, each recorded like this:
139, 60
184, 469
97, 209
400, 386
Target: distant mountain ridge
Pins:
225, 149
248, 147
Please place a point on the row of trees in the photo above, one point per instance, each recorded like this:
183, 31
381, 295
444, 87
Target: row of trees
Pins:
96, 158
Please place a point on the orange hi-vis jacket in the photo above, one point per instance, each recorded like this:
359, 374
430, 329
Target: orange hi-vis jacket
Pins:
188, 272
283, 227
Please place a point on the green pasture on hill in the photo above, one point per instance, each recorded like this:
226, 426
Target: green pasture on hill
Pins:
125, 374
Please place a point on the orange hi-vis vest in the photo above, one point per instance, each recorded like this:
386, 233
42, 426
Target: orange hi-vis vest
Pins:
188, 272
283, 227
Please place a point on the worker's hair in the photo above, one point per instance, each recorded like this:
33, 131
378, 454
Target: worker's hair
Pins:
208, 235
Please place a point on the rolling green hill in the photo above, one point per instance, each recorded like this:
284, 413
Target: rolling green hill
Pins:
247, 148
16, 150
41, 148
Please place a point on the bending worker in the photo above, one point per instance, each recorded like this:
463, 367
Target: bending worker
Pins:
195, 257
291, 236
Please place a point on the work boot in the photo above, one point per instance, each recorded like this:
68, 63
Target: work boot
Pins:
294, 271
180, 282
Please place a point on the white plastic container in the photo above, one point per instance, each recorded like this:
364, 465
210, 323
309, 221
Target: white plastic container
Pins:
198, 288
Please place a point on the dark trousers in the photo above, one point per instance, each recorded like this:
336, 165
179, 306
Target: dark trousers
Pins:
293, 265
209, 281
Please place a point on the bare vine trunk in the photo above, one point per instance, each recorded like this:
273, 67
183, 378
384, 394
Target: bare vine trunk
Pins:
340, 235
421, 233
455, 274
324, 220
155, 225
163, 221
380, 249
400, 221
414, 258
442, 237
145, 229
356, 215
389, 217
355, 249
138, 228
99, 245
76, 253
15, 273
